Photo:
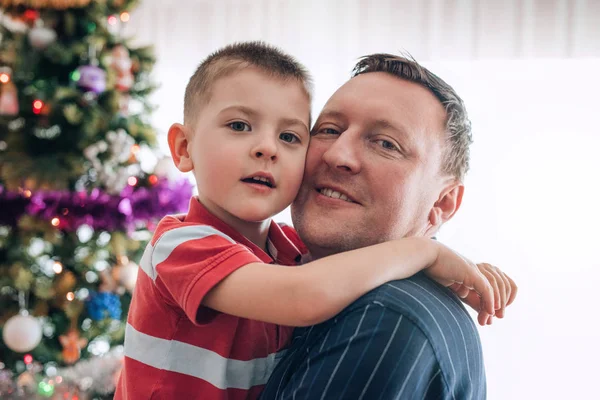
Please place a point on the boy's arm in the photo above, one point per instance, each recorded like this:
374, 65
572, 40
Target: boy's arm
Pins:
316, 291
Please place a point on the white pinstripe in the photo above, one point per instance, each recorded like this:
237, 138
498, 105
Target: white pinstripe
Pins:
387, 346
345, 351
429, 384
411, 370
455, 320
436, 324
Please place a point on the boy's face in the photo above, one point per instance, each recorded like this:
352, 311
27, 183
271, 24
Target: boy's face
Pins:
249, 144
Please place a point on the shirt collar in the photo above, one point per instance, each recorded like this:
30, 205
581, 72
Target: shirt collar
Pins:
280, 247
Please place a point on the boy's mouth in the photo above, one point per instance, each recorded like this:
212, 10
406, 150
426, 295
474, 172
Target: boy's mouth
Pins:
261, 180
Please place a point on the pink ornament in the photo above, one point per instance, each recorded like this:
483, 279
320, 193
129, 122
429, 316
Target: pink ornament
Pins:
121, 63
92, 78
9, 103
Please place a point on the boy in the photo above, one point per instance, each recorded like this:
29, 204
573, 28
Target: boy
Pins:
210, 313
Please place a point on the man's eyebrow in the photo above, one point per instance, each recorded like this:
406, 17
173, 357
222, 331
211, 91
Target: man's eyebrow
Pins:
385, 124
331, 114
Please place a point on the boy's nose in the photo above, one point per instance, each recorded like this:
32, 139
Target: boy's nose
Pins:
266, 148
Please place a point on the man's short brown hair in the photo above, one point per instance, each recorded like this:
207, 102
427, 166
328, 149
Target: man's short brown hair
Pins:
234, 57
458, 125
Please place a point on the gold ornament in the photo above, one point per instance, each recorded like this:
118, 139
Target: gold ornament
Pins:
65, 283
72, 345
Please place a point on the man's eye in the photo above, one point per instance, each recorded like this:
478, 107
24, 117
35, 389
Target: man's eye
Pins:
386, 144
239, 126
328, 131
288, 137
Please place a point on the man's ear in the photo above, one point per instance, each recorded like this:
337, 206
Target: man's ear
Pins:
178, 144
446, 205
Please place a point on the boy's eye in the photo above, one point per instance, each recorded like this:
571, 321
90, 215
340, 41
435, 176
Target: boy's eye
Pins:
288, 137
239, 126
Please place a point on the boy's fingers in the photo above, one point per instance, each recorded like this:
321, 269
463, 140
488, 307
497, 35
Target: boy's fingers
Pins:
495, 303
484, 318
513, 290
473, 300
461, 290
501, 287
484, 287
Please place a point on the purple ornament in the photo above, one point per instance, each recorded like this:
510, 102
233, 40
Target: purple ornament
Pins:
131, 209
92, 78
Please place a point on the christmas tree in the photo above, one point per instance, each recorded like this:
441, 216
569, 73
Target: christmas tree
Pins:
81, 185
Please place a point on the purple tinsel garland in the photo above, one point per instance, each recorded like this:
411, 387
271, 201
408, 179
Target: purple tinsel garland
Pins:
133, 208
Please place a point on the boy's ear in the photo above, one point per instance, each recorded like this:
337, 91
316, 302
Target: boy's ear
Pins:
178, 144
446, 206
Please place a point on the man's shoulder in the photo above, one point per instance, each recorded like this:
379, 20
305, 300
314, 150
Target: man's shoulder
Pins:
440, 317
423, 301
431, 308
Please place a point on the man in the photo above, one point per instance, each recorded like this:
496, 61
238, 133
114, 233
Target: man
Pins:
395, 140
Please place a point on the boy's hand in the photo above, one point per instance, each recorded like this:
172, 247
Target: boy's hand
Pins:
456, 272
505, 291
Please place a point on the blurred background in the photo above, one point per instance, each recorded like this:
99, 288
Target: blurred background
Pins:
529, 72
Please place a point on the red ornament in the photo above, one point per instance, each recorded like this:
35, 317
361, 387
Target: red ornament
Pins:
37, 106
31, 15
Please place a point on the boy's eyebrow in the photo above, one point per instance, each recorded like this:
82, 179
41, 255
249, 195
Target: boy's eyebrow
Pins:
246, 110
295, 121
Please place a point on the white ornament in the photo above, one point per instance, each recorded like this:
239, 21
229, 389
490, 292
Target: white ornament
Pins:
165, 168
22, 333
12, 24
113, 170
41, 37
127, 275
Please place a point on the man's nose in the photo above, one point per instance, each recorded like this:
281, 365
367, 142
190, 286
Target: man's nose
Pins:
343, 154
265, 147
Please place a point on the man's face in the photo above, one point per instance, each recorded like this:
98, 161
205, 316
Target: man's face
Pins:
373, 165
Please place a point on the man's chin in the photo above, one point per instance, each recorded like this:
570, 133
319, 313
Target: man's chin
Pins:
323, 237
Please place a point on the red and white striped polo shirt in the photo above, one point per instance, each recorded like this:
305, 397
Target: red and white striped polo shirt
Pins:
175, 348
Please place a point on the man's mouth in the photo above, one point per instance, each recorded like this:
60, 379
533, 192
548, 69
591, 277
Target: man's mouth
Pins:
334, 194
261, 180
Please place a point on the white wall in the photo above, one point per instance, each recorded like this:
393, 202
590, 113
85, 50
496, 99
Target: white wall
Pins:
531, 197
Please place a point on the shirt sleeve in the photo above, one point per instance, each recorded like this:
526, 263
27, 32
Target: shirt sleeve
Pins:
370, 353
188, 261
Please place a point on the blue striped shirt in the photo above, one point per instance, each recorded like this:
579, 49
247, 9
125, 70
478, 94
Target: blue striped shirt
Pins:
408, 339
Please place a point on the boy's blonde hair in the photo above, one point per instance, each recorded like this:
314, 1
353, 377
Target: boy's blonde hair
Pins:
234, 57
